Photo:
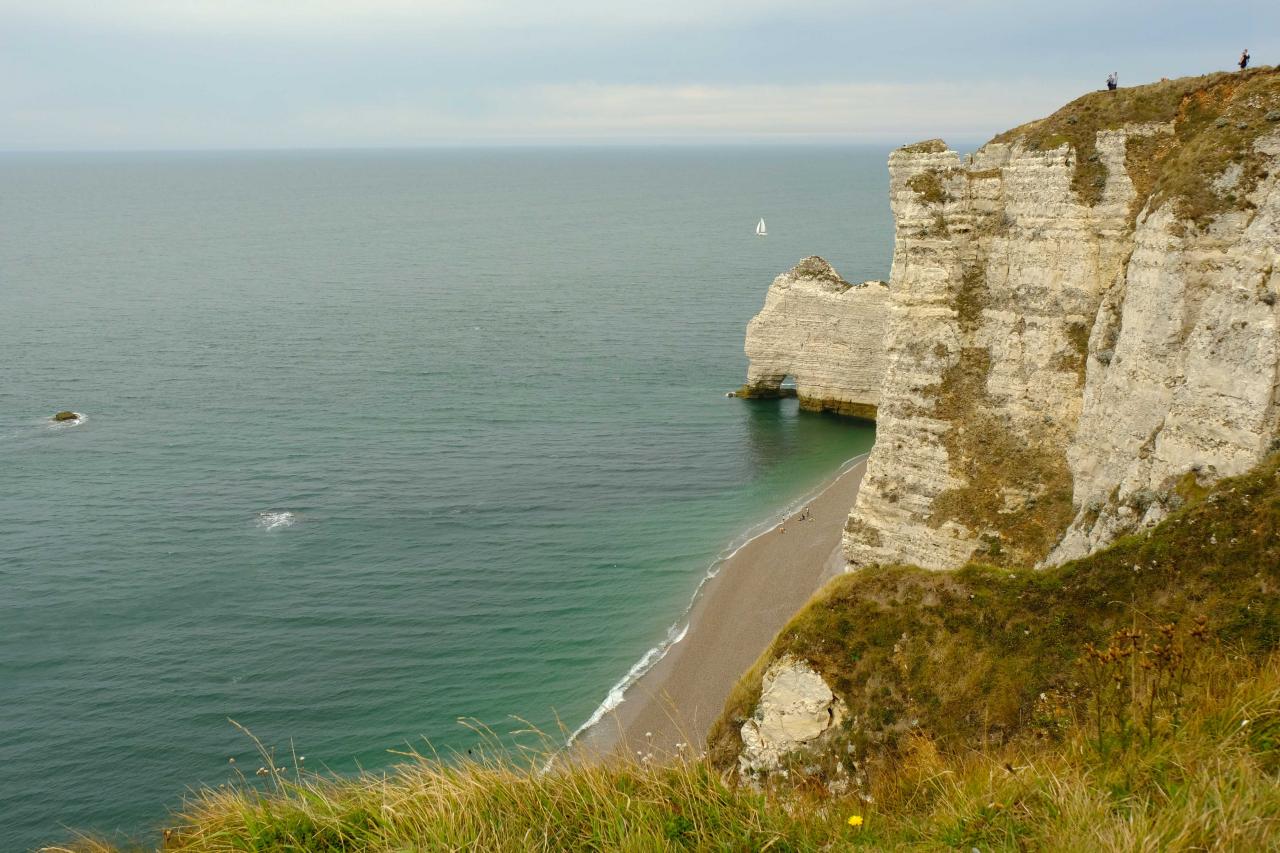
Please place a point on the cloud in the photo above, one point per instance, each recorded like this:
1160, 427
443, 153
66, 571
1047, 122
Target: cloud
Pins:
581, 113
592, 112
324, 73
345, 17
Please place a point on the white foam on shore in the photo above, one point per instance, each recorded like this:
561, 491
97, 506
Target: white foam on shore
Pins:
617, 693
275, 520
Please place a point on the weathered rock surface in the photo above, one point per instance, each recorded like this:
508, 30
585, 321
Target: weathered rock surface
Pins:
796, 709
66, 416
826, 333
1064, 351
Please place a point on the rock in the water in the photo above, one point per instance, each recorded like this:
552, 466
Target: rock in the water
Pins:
796, 708
826, 333
66, 416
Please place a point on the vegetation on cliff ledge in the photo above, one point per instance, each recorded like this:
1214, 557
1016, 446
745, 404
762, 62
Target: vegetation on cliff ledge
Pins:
1129, 700
970, 656
1212, 124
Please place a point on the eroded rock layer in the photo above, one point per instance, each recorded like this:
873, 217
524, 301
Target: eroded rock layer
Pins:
1082, 325
824, 332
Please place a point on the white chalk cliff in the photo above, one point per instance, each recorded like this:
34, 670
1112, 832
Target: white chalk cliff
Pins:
1081, 326
825, 333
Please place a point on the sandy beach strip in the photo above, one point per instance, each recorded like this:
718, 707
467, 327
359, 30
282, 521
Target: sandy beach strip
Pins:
734, 619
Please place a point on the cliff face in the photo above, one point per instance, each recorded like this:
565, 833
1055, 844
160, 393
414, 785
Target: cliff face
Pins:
1081, 328
1183, 367
824, 332
1084, 325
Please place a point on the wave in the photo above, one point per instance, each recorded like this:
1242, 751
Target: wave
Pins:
276, 519
617, 693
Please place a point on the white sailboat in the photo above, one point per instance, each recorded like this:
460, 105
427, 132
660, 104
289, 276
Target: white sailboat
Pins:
761, 231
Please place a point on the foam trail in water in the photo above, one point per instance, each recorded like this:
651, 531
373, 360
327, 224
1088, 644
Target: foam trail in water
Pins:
275, 520
675, 634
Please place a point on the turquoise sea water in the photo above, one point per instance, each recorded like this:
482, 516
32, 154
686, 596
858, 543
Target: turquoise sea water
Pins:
374, 441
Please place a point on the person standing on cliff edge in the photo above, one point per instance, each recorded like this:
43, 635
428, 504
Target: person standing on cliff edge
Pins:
1113, 80
1244, 59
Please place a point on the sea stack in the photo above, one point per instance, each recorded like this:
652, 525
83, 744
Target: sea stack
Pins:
825, 333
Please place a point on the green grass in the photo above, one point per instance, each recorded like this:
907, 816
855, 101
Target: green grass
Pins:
971, 726
929, 146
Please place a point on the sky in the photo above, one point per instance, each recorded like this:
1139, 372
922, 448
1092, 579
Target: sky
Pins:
232, 74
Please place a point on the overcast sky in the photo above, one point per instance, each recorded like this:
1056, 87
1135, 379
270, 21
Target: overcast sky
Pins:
123, 74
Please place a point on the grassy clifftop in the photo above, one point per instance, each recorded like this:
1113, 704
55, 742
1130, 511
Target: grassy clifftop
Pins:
1130, 700
1213, 122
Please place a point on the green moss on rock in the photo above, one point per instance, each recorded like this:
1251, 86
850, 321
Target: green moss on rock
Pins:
928, 187
928, 146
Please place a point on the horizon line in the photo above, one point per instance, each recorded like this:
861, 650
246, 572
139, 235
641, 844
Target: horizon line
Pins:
964, 141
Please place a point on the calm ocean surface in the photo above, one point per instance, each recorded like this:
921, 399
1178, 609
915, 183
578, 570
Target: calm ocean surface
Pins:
375, 441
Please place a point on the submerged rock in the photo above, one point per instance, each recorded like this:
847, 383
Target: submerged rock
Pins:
66, 416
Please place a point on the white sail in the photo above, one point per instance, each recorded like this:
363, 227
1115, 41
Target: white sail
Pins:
761, 231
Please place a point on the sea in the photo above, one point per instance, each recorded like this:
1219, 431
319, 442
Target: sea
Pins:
376, 448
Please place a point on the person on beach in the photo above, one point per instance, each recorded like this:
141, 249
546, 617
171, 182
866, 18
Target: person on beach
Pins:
1244, 59
1113, 80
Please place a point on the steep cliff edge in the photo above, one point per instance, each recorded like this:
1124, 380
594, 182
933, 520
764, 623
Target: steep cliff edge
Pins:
1082, 325
824, 332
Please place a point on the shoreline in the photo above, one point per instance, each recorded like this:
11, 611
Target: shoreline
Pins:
675, 691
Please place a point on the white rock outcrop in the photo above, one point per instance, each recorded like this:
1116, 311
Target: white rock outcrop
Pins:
796, 709
824, 332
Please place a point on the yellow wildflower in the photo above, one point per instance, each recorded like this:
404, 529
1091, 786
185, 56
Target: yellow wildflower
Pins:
855, 820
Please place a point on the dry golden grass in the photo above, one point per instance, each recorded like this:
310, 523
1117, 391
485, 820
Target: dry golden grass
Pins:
977, 726
1215, 120
1208, 784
